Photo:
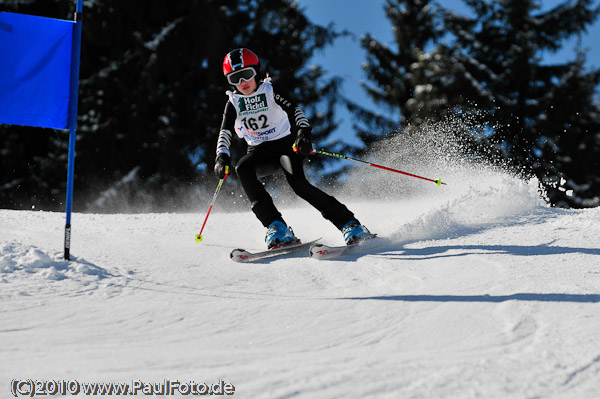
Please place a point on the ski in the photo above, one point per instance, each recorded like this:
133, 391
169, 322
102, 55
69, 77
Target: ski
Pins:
323, 252
243, 256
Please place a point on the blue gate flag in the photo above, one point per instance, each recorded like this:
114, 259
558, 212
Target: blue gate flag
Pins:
35, 70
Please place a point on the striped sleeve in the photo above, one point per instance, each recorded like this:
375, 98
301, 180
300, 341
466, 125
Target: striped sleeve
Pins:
224, 142
295, 114
301, 119
227, 126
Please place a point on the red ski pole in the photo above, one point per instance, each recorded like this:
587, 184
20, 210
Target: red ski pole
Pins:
331, 154
199, 236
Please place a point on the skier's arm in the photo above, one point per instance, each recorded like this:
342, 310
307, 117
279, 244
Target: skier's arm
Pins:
299, 125
295, 114
227, 128
223, 160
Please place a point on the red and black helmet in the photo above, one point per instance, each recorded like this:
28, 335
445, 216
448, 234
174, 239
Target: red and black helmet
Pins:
240, 64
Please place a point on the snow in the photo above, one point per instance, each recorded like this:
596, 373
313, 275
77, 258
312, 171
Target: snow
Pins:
153, 44
480, 290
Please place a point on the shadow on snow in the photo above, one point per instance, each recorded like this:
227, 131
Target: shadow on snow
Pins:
527, 297
464, 250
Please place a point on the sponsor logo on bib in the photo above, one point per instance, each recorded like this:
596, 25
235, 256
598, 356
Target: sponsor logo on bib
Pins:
253, 104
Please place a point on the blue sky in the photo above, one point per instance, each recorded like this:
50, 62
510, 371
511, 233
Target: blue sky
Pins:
367, 16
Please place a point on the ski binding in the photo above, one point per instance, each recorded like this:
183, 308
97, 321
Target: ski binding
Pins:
323, 252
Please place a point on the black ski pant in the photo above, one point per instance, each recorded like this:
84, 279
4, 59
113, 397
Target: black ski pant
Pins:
265, 159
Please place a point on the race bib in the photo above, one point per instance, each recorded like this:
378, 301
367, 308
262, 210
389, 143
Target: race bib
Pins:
259, 117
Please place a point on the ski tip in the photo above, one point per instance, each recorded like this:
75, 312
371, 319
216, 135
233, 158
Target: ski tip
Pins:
199, 238
239, 255
314, 247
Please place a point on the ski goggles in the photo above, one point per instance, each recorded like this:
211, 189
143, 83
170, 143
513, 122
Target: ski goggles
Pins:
246, 74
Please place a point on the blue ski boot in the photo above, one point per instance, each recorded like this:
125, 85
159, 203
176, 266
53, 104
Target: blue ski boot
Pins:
354, 232
279, 235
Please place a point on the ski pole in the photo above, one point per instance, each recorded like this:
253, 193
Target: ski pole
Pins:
331, 154
199, 236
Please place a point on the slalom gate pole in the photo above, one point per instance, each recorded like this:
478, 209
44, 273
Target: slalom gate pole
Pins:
334, 155
72, 124
212, 203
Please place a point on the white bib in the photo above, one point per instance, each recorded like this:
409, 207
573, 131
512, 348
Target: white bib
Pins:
259, 117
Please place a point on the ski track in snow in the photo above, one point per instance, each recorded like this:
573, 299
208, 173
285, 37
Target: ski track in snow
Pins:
478, 291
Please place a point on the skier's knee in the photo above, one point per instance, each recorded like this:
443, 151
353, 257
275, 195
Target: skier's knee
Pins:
301, 187
241, 169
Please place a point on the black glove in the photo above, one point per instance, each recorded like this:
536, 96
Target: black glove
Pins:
222, 165
303, 143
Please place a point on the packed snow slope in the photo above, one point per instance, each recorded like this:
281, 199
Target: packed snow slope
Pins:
479, 290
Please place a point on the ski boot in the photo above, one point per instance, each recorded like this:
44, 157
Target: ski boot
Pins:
279, 235
354, 232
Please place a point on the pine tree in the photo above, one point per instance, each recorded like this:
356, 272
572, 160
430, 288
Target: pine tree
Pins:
152, 95
571, 153
399, 76
416, 81
499, 53
403, 79
489, 65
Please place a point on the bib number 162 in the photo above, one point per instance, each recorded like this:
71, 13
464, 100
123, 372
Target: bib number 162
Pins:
256, 123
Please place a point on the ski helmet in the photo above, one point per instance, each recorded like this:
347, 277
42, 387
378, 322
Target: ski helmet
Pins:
241, 64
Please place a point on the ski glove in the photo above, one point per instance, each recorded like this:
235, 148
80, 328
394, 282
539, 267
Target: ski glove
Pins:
303, 143
222, 165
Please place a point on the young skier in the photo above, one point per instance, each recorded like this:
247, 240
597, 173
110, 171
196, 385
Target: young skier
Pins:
278, 136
